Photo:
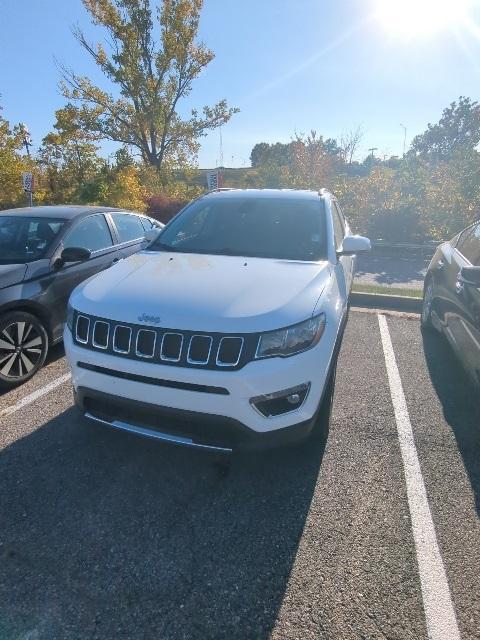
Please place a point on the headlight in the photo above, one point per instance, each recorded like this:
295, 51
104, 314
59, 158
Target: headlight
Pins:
291, 340
70, 312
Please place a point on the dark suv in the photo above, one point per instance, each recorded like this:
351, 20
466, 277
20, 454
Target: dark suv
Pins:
44, 253
451, 300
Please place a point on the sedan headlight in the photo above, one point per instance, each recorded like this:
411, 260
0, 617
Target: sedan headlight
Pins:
291, 340
70, 312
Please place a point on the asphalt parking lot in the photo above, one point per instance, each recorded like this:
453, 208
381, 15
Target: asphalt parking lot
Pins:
104, 535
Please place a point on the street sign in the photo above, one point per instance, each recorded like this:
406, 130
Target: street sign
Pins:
214, 180
28, 182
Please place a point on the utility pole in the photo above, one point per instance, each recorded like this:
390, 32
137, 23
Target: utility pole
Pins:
26, 138
221, 147
404, 137
372, 150
220, 171
27, 142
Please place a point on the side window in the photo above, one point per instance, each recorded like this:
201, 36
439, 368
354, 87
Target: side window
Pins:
338, 226
462, 237
147, 225
469, 245
129, 226
91, 233
41, 233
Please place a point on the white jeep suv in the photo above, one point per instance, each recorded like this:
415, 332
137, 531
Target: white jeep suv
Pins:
224, 332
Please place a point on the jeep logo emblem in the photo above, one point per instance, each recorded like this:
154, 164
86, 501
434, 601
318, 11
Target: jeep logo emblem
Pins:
151, 319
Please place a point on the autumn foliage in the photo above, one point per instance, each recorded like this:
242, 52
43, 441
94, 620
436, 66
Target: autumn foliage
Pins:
164, 208
431, 193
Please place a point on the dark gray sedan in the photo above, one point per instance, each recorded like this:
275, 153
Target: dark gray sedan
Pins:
44, 253
451, 298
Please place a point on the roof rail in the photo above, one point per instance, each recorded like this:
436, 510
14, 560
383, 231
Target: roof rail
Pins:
222, 189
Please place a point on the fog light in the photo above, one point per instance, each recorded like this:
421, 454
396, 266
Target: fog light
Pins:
275, 404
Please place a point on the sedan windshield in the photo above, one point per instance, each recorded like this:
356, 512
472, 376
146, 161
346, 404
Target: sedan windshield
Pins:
24, 239
282, 228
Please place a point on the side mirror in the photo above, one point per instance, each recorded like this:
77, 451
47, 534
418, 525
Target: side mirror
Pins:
354, 244
470, 276
75, 254
152, 234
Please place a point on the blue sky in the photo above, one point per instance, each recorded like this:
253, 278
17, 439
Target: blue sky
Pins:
289, 65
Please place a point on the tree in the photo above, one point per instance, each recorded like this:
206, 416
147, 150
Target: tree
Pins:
386, 204
452, 193
125, 189
312, 165
69, 158
12, 164
260, 154
458, 128
153, 78
349, 143
277, 154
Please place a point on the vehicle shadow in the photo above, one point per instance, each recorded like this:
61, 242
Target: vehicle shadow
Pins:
459, 403
107, 535
374, 269
55, 353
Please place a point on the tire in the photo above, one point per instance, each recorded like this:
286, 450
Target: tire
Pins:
426, 315
322, 422
23, 348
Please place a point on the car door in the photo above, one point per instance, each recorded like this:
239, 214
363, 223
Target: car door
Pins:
130, 232
462, 312
92, 233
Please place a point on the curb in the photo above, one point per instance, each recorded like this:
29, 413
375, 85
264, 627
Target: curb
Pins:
385, 301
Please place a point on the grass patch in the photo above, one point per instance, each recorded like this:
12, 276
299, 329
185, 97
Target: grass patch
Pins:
392, 291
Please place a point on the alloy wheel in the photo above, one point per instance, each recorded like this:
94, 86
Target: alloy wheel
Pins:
21, 349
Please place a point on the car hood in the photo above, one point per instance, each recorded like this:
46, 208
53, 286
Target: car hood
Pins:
204, 292
11, 274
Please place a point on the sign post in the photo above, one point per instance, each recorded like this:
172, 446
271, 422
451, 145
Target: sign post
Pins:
28, 180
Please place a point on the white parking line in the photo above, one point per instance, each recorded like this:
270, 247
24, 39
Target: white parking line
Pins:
35, 395
437, 600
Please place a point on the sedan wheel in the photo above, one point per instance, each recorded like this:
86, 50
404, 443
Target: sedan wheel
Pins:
23, 348
426, 317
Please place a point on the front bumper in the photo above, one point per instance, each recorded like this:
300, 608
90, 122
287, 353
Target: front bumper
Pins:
187, 428
222, 420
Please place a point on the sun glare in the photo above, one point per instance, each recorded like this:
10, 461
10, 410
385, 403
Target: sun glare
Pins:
413, 18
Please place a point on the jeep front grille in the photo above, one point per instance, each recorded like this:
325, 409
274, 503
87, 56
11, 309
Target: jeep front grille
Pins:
199, 349
229, 351
82, 329
145, 343
171, 349
122, 339
101, 333
164, 346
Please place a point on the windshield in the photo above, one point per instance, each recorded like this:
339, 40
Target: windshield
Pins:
282, 228
25, 239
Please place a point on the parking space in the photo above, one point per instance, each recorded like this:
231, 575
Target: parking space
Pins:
104, 535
